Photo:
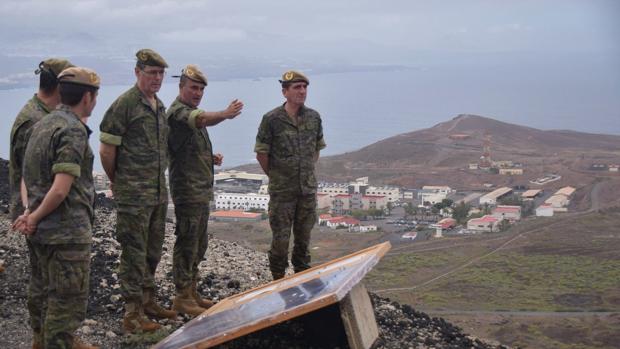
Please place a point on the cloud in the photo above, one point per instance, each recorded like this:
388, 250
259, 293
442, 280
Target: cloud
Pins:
205, 35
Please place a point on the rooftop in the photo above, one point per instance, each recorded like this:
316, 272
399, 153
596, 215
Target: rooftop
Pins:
235, 214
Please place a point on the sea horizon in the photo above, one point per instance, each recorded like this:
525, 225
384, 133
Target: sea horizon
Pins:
361, 108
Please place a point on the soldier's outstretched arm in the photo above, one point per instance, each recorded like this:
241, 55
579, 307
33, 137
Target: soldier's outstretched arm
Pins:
207, 118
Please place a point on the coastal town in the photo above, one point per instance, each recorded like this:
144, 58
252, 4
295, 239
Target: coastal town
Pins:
359, 207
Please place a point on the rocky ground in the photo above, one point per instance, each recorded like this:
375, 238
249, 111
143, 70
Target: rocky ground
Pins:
229, 269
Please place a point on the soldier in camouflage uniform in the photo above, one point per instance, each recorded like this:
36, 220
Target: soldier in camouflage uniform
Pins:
134, 141
288, 143
44, 101
59, 191
191, 183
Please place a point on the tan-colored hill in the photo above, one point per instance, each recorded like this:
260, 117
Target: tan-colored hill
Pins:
448, 142
441, 154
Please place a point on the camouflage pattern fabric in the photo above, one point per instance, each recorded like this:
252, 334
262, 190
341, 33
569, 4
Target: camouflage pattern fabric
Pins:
140, 231
59, 144
37, 297
298, 212
191, 243
60, 278
29, 115
191, 158
292, 149
140, 134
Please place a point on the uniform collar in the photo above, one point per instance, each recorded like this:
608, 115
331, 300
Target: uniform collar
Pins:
43, 106
145, 101
67, 109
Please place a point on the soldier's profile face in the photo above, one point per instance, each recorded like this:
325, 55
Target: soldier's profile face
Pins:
150, 78
296, 93
191, 92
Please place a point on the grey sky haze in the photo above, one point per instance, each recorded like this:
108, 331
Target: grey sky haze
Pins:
272, 33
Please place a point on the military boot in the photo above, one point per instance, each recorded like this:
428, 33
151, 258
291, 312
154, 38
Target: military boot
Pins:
151, 308
78, 344
186, 304
202, 302
37, 340
277, 275
134, 320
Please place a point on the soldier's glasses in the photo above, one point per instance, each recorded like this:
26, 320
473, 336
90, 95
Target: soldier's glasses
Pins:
154, 73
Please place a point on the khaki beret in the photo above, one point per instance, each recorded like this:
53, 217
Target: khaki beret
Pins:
191, 71
147, 56
294, 76
54, 65
80, 76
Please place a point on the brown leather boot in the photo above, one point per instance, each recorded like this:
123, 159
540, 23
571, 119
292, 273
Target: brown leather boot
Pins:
134, 320
78, 344
186, 304
37, 340
151, 308
202, 302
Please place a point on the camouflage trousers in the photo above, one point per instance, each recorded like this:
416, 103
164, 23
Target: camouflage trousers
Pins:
58, 291
140, 230
191, 243
288, 211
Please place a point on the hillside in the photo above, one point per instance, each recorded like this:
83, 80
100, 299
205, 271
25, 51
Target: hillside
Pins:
441, 154
230, 269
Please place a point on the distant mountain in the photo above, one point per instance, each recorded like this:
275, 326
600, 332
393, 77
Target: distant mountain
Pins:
466, 134
441, 154
433, 155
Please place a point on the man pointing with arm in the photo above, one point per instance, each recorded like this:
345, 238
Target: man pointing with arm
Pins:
191, 183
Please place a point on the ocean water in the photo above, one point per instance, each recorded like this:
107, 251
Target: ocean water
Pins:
363, 107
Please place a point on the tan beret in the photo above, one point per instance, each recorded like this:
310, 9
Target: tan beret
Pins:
192, 71
147, 56
54, 65
294, 76
80, 76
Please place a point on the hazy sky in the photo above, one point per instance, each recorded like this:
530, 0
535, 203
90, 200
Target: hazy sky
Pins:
249, 37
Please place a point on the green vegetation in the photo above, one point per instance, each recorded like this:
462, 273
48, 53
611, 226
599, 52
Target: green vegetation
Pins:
365, 214
460, 212
510, 281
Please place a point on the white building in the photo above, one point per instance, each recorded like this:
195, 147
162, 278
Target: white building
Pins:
241, 201
239, 181
544, 210
345, 203
511, 213
360, 186
492, 197
486, 223
434, 194
363, 228
392, 194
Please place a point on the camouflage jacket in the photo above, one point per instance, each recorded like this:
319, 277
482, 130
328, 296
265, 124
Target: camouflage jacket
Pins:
191, 157
59, 144
140, 135
30, 114
291, 148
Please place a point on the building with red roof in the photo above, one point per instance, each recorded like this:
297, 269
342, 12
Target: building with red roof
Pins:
235, 216
486, 223
509, 212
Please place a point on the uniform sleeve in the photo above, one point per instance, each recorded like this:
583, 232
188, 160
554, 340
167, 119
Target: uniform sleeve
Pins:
20, 141
191, 117
70, 145
114, 124
263, 137
320, 141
